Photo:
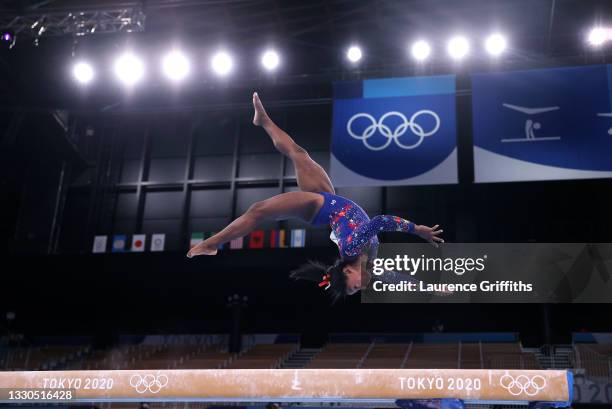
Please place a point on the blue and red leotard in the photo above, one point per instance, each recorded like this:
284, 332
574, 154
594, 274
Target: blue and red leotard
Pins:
353, 229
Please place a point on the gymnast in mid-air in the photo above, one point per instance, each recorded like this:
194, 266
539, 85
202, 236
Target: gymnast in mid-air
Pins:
316, 202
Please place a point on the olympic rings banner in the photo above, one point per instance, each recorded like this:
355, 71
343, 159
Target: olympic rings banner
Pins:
395, 131
543, 124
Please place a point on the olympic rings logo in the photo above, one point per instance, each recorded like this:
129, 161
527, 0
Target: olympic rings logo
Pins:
148, 383
385, 130
523, 384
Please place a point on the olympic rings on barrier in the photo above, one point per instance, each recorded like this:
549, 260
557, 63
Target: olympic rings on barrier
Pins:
523, 384
399, 131
148, 383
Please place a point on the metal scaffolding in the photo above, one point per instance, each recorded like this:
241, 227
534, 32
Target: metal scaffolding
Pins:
79, 23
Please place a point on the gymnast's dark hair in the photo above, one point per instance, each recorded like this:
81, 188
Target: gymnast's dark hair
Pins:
314, 271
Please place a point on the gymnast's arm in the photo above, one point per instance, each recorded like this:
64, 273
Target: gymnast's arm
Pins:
372, 253
361, 236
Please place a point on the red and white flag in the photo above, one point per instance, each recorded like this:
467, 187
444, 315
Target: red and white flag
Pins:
138, 242
237, 243
256, 239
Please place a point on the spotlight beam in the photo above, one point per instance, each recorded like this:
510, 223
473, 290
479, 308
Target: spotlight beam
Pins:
354, 54
83, 72
129, 69
495, 44
598, 36
458, 47
176, 66
222, 63
421, 50
270, 60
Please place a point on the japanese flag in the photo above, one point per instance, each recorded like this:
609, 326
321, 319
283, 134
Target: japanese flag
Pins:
138, 242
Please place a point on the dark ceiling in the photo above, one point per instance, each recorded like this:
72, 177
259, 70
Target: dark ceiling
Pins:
311, 36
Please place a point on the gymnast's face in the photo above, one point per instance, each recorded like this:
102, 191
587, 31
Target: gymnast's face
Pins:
355, 280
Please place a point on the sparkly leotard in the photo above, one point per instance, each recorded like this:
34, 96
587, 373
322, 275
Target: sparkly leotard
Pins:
352, 227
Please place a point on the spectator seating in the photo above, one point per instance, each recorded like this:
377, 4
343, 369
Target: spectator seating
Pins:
595, 359
263, 356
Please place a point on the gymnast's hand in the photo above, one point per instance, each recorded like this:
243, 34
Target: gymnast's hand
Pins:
429, 234
202, 249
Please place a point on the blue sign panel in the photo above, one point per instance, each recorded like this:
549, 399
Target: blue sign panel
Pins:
397, 131
543, 124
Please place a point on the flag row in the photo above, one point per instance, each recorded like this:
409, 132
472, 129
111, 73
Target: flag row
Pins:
257, 239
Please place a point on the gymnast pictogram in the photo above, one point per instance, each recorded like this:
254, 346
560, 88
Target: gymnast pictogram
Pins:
317, 203
530, 125
606, 115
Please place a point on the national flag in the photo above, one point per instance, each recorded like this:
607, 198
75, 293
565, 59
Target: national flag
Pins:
237, 243
277, 238
119, 243
274, 238
158, 241
138, 242
282, 239
256, 239
210, 234
298, 238
99, 244
196, 238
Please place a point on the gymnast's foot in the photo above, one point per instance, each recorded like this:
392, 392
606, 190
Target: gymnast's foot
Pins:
202, 249
261, 116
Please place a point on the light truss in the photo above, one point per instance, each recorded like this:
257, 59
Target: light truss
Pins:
77, 23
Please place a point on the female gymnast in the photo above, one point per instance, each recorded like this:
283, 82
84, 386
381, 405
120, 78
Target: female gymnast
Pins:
316, 202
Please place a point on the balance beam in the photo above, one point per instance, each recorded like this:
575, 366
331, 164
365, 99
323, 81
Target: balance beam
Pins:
295, 385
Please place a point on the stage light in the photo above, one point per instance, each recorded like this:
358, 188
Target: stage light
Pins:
222, 63
270, 60
597, 36
354, 54
495, 44
458, 47
176, 66
10, 38
129, 69
421, 50
83, 72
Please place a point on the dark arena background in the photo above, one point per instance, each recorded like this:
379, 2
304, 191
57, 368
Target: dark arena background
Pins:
117, 157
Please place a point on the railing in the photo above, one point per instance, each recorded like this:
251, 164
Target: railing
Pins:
510, 361
366, 353
459, 355
583, 358
594, 364
4, 358
408, 351
598, 368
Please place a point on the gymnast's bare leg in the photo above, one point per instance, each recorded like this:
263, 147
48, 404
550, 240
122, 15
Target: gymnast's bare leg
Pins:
290, 205
311, 178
